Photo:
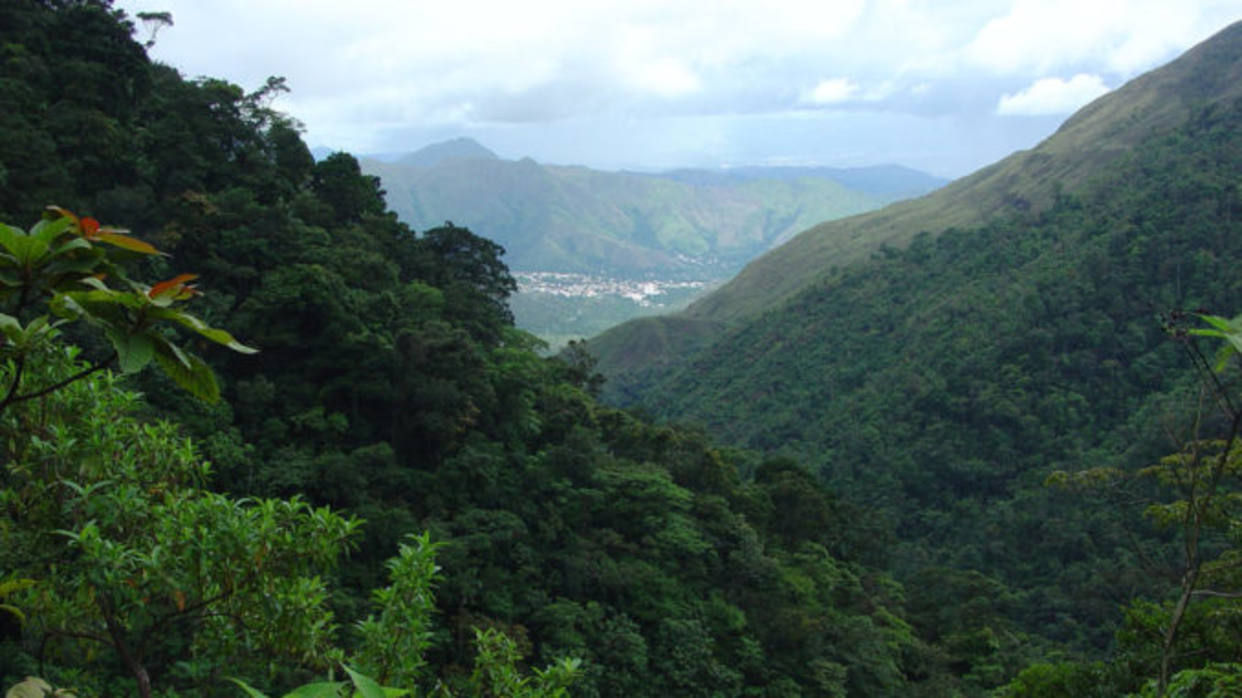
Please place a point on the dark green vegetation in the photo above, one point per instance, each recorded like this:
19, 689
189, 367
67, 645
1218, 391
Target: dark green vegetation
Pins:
391, 395
1085, 146
1011, 328
154, 544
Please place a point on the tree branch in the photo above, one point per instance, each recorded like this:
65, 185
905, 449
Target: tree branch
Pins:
1216, 594
93, 368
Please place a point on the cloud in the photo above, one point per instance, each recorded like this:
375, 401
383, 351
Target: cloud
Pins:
832, 91
1124, 37
365, 71
1052, 96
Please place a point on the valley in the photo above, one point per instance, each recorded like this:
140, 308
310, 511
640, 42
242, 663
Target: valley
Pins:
564, 306
285, 421
679, 230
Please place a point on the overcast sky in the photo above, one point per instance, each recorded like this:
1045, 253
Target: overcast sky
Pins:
946, 86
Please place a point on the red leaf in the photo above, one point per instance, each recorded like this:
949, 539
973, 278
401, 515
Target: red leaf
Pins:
89, 226
126, 242
172, 285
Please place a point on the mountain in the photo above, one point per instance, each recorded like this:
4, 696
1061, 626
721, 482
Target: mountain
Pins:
942, 358
623, 224
593, 249
1085, 146
456, 149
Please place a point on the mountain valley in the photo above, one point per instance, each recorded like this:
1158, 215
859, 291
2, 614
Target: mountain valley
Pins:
683, 229
273, 421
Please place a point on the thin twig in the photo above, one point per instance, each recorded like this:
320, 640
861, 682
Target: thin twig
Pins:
93, 368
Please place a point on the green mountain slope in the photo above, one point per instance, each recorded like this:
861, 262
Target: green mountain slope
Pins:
942, 381
389, 384
573, 219
1087, 144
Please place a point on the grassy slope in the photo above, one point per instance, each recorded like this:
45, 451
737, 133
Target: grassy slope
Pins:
1085, 145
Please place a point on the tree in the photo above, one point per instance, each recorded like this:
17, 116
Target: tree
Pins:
156, 568
1203, 508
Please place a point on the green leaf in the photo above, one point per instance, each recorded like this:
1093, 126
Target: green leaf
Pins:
250, 691
94, 283
1228, 330
11, 239
69, 246
368, 688
18, 247
134, 351
32, 687
14, 611
215, 334
324, 689
10, 328
48, 230
187, 370
125, 298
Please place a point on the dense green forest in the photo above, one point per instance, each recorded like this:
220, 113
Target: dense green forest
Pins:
396, 483
153, 541
943, 384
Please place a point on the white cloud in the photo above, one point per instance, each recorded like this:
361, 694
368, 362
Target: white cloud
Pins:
364, 69
666, 77
832, 91
1052, 96
1125, 37
841, 90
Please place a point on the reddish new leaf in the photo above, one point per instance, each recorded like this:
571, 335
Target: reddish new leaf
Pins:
173, 286
126, 242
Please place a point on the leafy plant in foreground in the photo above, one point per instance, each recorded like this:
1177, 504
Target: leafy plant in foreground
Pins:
59, 271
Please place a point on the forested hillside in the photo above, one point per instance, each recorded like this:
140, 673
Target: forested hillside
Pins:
396, 489
1087, 145
154, 543
945, 382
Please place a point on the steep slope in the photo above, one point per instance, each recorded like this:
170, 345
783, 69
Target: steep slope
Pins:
943, 381
1086, 145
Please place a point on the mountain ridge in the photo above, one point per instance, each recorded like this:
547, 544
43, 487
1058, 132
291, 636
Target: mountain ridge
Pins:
702, 224
1025, 182
951, 381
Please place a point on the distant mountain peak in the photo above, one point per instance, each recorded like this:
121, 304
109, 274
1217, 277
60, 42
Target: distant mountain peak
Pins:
454, 149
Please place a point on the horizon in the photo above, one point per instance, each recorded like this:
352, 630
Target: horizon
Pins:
650, 87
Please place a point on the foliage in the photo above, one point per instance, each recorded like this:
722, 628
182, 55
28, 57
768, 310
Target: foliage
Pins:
363, 687
1219, 680
942, 383
155, 567
34, 687
394, 645
496, 675
391, 385
59, 266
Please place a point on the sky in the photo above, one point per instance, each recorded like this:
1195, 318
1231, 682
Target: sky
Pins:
945, 86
